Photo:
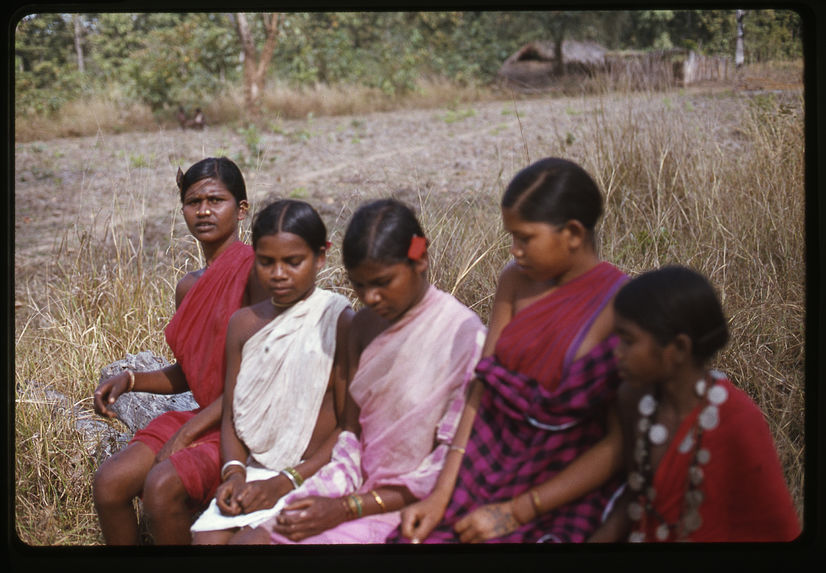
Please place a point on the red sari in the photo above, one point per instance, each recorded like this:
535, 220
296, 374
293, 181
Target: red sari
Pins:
745, 494
542, 409
197, 336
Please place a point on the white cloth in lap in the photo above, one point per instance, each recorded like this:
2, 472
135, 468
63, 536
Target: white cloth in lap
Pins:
284, 373
213, 520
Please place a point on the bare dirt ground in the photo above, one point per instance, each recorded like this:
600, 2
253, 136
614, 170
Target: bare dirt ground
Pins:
65, 187
333, 162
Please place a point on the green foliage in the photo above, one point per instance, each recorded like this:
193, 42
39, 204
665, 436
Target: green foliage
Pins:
772, 34
45, 75
198, 53
41, 38
358, 48
168, 59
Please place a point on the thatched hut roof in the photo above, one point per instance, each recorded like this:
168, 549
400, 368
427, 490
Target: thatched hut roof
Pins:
572, 51
532, 65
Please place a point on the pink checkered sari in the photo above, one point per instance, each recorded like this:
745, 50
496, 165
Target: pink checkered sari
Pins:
542, 409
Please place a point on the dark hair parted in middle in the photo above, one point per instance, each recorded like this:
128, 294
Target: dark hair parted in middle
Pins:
554, 191
380, 231
675, 300
291, 216
218, 168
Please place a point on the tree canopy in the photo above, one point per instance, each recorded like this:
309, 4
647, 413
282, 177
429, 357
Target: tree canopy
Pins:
164, 59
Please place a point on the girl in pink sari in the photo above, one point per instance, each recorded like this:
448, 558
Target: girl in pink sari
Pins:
412, 352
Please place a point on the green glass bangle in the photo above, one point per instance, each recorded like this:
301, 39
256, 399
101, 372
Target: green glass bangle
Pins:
357, 501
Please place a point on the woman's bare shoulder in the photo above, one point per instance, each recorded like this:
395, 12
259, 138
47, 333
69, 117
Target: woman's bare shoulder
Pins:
512, 282
365, 325
344, 325
186, 283
510, 274
518, 289
248, 320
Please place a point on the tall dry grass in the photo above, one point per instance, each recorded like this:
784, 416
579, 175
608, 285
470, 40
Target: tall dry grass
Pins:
103, 293
734, 212
677, 191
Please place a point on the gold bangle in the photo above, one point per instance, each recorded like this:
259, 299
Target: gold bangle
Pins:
459, 449
290, 477
378, 499
535, 502
351, 506
131, 380
293, 475
354, 505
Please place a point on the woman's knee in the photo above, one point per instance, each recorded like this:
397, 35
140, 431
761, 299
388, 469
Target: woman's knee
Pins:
220, 537
105, 487
117, 480
251, 536
163, 489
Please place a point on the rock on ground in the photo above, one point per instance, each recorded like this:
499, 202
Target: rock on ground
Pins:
137, 409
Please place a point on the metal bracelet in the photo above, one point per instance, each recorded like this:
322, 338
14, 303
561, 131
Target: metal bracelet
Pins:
231, 463
290, 477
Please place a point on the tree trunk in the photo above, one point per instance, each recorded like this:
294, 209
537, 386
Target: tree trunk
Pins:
255, 64
559, 62
78, 31
739, 50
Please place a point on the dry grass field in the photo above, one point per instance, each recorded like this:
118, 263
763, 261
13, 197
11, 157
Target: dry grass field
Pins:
711, 178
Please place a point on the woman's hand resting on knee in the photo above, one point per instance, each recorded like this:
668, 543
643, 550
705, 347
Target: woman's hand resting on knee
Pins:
310, 516
420, 518
487, 522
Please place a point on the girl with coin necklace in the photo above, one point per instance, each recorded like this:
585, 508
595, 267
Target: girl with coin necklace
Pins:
701, 461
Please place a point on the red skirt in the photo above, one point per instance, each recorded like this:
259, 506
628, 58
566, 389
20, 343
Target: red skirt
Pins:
198, 465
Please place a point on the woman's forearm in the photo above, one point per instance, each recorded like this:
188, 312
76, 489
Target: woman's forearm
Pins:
207, 418
453, 460
378, 500
617, 525
232, 448
167, 380
586, 473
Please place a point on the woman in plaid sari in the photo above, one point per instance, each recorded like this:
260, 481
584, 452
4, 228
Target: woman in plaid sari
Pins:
536, 451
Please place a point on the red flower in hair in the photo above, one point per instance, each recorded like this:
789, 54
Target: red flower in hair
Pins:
418, 247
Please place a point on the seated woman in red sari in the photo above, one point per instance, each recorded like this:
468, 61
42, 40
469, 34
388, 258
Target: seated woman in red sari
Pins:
536, 449
174, 462
702, 465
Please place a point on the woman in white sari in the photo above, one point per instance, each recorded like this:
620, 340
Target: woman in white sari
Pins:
286, 375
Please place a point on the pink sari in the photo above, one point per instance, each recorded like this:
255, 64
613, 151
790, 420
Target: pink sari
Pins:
410, 388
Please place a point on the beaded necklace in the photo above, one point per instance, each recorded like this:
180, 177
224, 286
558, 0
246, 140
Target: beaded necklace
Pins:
640, 480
